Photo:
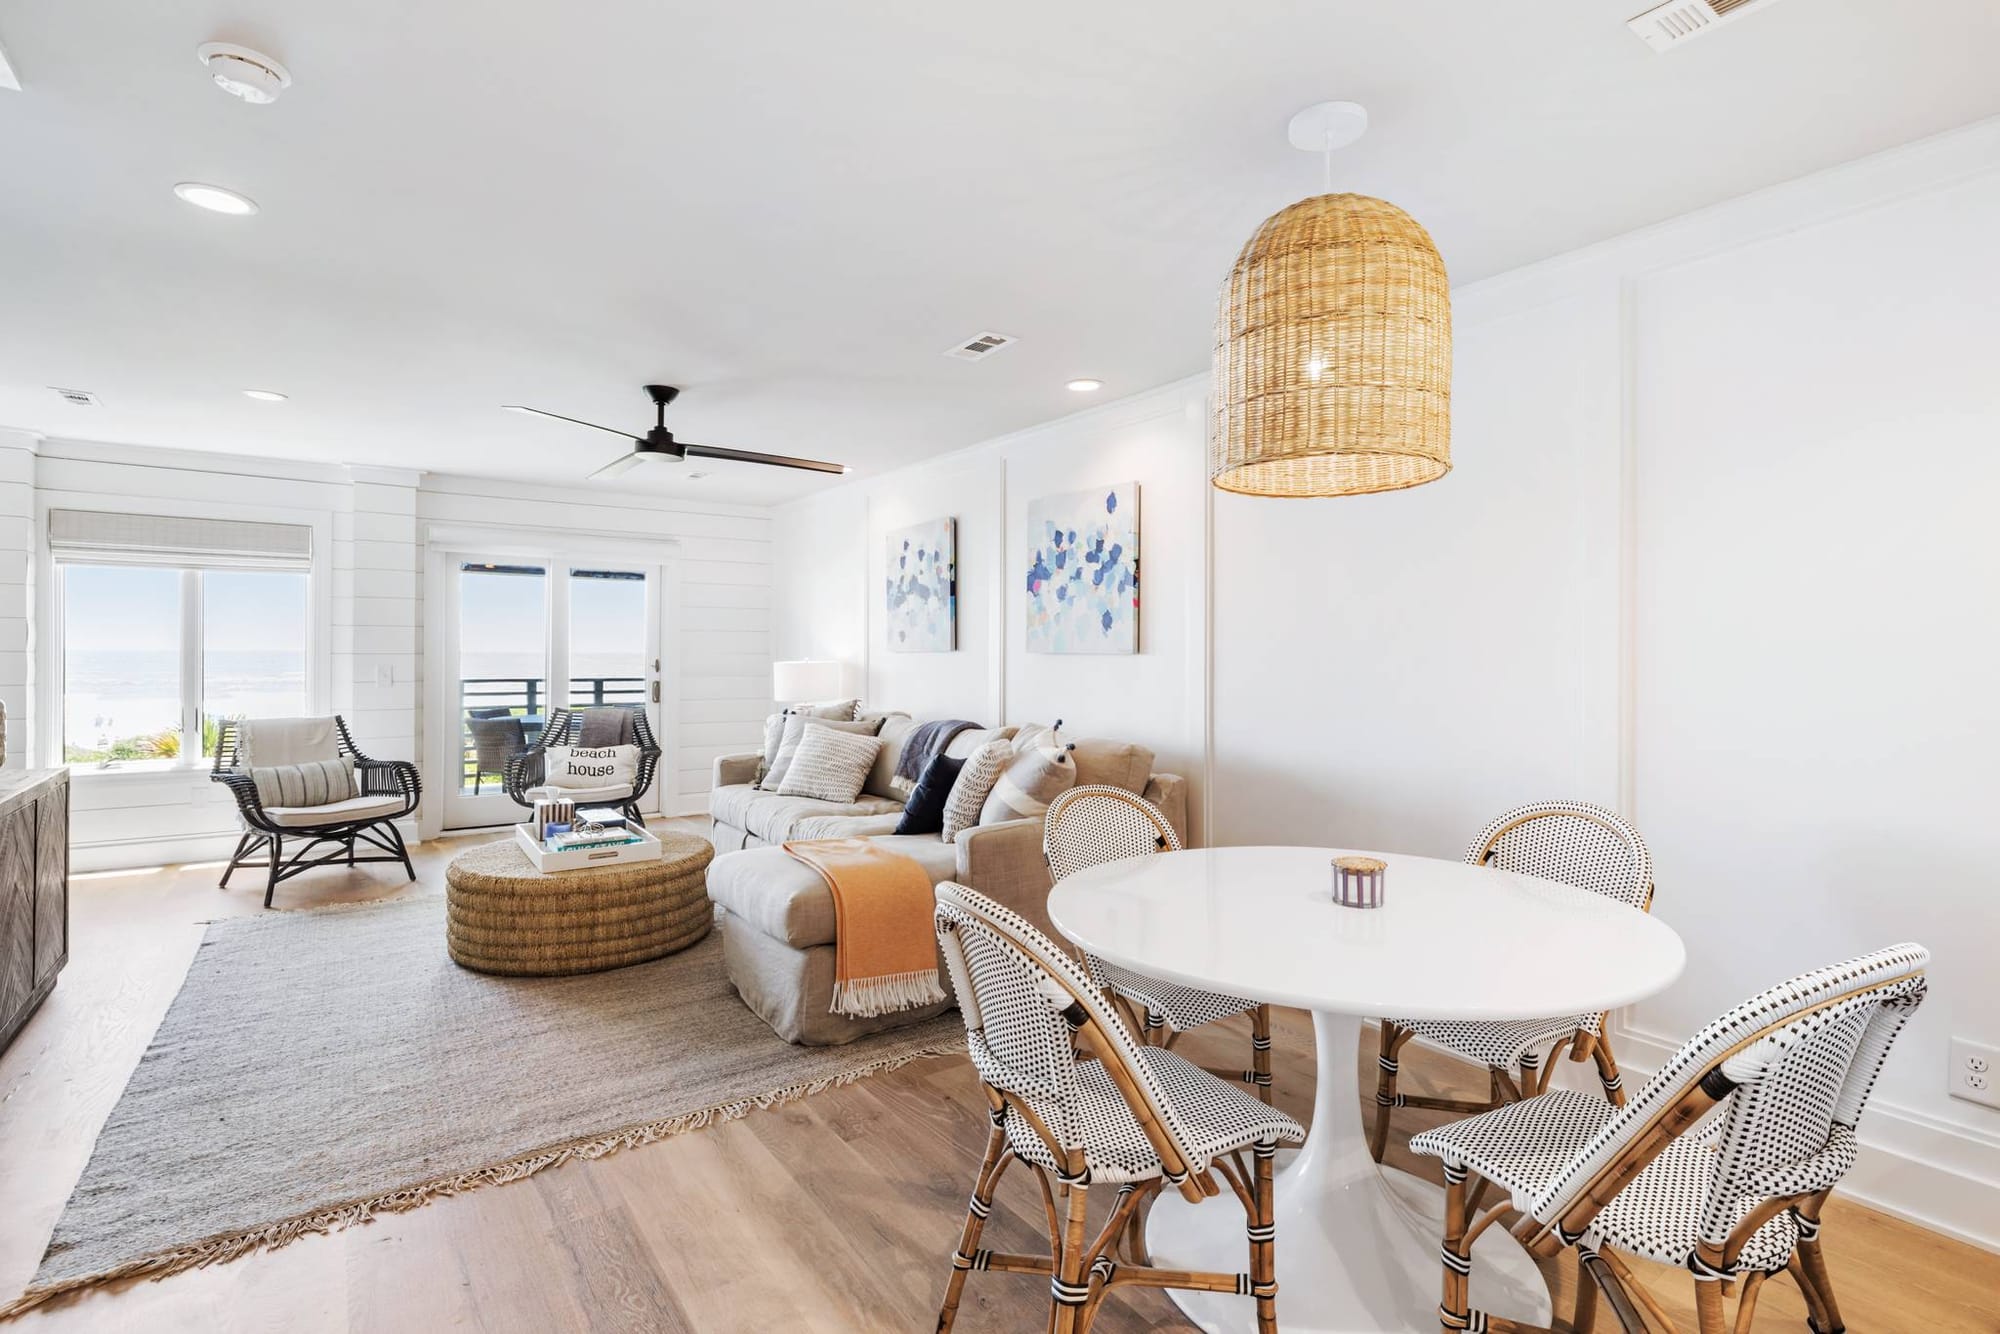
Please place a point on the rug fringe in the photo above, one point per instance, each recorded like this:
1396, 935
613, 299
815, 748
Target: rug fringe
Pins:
224, 1247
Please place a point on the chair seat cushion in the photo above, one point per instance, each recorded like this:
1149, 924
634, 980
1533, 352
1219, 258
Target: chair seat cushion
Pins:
1217, 1118
774, 892
582, 796
334, 812
1501, 1044
1182, 1007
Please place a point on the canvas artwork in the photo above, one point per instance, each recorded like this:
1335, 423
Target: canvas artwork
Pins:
923, 587
1083, 571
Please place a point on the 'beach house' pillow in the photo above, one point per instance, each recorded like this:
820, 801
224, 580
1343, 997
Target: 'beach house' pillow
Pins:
590, 766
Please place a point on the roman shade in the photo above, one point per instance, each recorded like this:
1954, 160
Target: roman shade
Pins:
163, 539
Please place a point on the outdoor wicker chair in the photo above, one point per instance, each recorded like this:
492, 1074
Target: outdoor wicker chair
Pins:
497, 737
1569, 841
1089, 825
566, 728
305, 779
1734, 1197
1137, 1118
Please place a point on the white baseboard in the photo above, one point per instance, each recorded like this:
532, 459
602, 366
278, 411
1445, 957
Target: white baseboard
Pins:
1913, 1166
138, 854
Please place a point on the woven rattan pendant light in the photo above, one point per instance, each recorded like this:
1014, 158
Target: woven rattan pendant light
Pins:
1333, 354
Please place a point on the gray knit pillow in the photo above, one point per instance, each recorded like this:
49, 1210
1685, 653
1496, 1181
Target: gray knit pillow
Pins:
796, 725
829, 764
975, 783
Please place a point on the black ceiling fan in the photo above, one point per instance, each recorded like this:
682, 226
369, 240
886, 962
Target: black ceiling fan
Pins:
659, 446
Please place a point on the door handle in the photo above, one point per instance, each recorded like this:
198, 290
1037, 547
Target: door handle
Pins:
656, 692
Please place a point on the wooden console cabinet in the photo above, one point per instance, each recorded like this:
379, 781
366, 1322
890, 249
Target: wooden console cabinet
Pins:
34, 890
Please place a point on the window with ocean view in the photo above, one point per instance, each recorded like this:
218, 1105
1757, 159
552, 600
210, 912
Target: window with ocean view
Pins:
152, 655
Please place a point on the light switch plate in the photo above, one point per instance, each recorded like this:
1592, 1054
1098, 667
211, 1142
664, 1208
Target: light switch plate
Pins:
385, 675
1975, 1072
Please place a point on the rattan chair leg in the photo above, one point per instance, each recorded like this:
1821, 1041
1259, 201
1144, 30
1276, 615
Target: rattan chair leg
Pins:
1455, 1306
1607, 1071
1264, 1239
967, 1254
1712, 1315
1387, 1067
1583, 1315
1812, 1263
243, 846
1260, 1050
1746, 1305
401, 848
1069, 1289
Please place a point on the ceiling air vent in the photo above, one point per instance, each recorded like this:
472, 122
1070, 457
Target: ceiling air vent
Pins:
1681, 21
83, 398
980, 346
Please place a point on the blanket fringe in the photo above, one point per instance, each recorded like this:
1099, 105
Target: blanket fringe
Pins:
866, 997
228, 1246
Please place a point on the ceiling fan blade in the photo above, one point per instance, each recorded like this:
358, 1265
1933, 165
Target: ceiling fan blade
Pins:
774, 460
575, 421
621, 464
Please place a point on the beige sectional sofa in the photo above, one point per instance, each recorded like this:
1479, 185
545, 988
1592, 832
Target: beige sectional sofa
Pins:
777, 915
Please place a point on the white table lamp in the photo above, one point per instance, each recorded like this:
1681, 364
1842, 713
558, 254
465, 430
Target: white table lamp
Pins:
793, 682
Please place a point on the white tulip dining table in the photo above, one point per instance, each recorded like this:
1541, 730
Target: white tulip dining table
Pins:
1357, 1244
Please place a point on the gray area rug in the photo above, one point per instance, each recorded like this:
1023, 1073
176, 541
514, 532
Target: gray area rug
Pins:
319, 1068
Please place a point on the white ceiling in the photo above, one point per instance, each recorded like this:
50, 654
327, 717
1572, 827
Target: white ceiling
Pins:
791, 209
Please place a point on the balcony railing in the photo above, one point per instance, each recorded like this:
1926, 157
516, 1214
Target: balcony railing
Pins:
526, 698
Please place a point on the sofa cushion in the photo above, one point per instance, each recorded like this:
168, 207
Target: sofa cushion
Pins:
773, 818
774, 892
967, 743
1120, 764
896, 729
335, 812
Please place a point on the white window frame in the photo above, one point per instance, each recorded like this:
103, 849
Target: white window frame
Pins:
50, 641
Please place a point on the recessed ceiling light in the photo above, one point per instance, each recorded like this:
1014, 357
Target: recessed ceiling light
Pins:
215, 199
265, 395
1085, 386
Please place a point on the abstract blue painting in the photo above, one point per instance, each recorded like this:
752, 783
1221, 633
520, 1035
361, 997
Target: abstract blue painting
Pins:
1083, 571
923, 587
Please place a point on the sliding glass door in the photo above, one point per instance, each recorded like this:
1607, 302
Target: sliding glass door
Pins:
526, 637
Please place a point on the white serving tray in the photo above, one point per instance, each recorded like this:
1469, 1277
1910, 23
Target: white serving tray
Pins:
578, 859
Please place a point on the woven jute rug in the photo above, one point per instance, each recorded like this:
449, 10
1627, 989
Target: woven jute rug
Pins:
319, 1068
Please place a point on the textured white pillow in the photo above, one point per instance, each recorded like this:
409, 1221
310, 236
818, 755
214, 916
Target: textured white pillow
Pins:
975, 782
1036, 777
829, 764
590, 766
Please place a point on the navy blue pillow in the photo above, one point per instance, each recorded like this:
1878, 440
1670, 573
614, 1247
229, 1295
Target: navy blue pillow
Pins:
924, 812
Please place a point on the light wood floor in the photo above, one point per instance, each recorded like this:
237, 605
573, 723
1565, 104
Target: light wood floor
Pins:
835, 1213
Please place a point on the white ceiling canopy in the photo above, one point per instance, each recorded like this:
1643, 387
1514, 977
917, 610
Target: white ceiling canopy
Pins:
789, 209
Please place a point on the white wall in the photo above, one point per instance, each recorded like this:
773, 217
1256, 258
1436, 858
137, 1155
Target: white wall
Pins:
831, 564
369, 614
1717, 550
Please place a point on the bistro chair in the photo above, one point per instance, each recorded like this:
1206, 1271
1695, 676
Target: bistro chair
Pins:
1735, 1195
305, 779
1138, 1118
1087, 826
1569, 841
587, 727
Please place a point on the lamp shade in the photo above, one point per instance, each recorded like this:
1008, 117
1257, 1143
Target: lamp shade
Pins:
1333, 355
805, 679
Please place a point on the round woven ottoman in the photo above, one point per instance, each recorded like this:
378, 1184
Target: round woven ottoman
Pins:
504, 916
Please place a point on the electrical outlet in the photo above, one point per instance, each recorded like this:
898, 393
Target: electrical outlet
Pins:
1975, 1072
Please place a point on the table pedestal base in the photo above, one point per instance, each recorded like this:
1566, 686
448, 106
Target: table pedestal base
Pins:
1357, 1243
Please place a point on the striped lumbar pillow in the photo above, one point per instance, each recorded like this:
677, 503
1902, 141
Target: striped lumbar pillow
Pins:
314, 783
829, 764
975, 783
1024, 790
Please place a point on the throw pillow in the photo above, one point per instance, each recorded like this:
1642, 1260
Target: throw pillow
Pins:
925, 812
796, 726
1036, 777
833, 710
1118, 764
572, 767
774, 735
314, 783
829, 764
975, 781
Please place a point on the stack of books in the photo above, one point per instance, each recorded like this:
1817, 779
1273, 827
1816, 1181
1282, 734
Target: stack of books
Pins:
571, 840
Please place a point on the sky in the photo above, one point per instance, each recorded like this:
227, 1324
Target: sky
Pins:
504, 613
138, 609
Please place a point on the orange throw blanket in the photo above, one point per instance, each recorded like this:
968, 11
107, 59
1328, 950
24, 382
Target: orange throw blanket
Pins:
885, 946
